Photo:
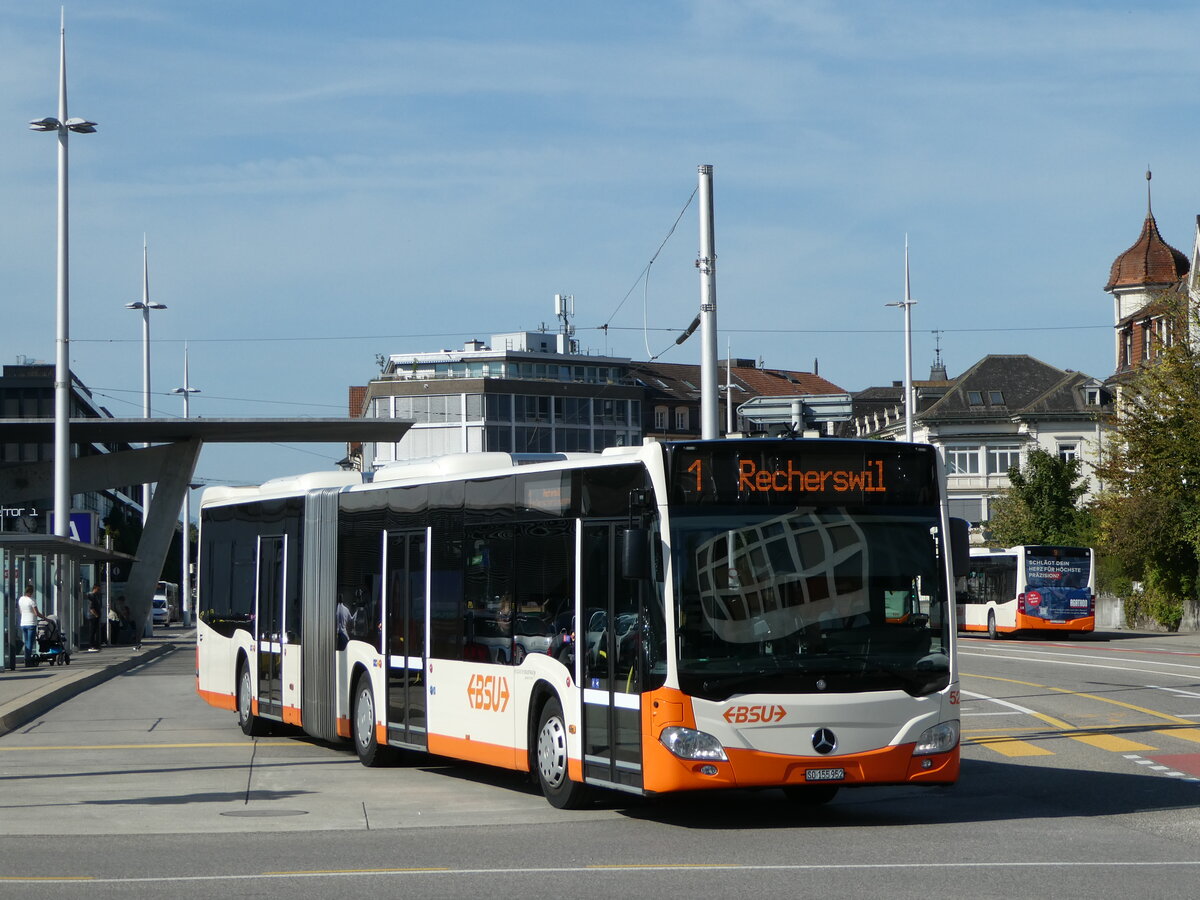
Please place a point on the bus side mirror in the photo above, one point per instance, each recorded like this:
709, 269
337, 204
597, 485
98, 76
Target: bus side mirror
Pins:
960, 547
635, 554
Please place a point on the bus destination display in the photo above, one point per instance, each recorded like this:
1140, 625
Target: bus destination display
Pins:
856, 473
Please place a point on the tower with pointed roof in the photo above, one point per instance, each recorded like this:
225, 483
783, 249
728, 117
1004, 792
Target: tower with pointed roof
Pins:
1138, 279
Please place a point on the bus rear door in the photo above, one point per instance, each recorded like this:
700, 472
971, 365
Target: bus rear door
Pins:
404, 630
608, 639
269, 624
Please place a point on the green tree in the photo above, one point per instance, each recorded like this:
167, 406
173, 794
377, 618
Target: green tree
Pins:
1149, 515
1041, 504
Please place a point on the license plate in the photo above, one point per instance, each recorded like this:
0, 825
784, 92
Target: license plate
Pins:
824, 774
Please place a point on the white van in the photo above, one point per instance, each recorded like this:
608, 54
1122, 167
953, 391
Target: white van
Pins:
166, 603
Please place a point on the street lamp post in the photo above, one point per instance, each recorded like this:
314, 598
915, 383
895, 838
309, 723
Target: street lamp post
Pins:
62, 126
187, 390
907, 303
145, 305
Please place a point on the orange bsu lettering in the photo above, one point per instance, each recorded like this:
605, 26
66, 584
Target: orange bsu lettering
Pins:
793, 480
488, 692
751, 715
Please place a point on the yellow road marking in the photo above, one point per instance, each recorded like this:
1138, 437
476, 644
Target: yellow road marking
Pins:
1111, 742
1094, 738
1013, 747
1101, 740
1150, 712
358, 871
665, 866
1188, 734
149, 746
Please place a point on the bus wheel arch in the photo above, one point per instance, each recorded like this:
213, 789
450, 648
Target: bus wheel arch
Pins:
539, 696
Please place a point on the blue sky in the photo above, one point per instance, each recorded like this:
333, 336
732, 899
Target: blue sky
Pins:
323, 183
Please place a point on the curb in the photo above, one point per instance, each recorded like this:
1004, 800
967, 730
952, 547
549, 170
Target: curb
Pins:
31, 707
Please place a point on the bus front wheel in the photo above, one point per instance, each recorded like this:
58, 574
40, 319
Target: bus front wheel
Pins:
251, 724
552, 774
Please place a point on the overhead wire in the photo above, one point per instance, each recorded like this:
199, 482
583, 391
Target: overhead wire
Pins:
644, 275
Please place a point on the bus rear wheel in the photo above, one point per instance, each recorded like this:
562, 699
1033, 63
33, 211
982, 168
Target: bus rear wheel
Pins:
251, 724
366, 745
993, 632
552, 774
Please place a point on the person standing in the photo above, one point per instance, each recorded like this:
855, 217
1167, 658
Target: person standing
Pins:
93, 618
30, 614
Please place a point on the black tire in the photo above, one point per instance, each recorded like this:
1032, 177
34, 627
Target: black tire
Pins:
362, 727
251, 725
551, 761
993, 634
810, 794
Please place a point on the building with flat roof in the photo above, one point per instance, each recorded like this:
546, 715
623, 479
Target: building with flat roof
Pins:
536, 392
27, 392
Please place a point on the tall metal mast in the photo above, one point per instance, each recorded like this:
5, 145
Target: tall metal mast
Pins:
707, 264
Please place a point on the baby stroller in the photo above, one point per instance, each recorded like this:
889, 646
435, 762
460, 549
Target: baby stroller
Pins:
51, 648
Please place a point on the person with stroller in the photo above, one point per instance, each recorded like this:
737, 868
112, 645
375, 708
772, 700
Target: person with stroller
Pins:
30, 615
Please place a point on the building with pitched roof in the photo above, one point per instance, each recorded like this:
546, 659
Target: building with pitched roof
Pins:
1140, 281
671, 407
989, 418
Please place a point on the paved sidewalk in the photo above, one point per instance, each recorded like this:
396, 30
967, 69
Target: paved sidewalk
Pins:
27, 693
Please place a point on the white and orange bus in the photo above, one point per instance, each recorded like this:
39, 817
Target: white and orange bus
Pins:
674, 616
1029, 588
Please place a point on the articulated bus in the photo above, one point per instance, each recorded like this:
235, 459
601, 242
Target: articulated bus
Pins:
739, 613
1029, 589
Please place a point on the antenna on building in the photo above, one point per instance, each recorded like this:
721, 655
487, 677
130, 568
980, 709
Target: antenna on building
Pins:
564, 309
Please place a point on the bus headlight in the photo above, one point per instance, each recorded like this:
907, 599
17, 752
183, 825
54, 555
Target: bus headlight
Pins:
938, 739
687, 743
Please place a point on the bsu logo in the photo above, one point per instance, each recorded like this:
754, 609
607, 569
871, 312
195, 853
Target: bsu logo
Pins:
750, 715
488, 692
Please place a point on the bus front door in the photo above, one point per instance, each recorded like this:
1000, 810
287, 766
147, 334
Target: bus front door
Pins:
608, 640
269, 623
404, 627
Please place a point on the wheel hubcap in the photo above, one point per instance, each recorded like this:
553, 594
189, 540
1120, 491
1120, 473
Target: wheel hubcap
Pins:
244, 697
365, 718
552, 752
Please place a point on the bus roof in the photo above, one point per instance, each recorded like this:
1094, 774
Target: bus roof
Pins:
440, 468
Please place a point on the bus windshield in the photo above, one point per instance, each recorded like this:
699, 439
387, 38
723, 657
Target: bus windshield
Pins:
811, 599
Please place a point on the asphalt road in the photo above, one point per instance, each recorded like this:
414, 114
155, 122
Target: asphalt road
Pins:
1081, 778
